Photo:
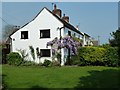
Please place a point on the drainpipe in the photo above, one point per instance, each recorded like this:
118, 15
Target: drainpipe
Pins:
60, 39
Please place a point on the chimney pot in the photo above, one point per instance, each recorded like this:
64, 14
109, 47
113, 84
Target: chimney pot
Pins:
56, 11
55, 7
77, 27
66, 18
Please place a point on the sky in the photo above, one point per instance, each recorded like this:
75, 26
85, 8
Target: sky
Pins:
93, 18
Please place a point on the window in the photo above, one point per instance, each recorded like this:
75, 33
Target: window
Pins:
45, 33
24, 34
74, 34
69, 33
45, 52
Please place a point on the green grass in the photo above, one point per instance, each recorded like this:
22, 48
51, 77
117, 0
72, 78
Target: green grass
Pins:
61, 77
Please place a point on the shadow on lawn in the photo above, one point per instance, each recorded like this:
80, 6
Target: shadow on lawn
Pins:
100, 79
4, 85
36, 87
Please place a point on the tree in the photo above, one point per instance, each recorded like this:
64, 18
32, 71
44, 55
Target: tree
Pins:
115, 42
116, 38
8, 30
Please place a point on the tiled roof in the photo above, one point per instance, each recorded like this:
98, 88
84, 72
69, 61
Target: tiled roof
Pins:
66, 24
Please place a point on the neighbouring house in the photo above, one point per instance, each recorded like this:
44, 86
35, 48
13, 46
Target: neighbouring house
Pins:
95, 42
87, 41
46, 26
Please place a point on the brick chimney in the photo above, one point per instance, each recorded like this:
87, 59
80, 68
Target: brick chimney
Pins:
66, 18
56, 11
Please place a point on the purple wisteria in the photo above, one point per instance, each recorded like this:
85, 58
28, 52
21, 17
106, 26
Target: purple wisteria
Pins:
66, 42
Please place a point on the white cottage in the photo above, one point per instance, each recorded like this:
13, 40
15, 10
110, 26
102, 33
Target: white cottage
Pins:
43, 28
87, 41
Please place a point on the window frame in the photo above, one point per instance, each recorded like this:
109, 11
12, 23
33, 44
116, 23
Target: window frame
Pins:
24, 34
41, 37
69, 33
47, 52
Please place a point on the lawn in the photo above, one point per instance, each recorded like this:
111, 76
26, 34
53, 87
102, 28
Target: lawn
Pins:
60, 77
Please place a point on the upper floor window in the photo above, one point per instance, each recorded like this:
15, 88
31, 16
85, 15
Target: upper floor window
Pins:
24, 34
45, 33
69, 33
45, 52
74, 34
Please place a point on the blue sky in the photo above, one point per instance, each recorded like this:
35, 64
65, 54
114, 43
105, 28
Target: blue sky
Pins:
94, 18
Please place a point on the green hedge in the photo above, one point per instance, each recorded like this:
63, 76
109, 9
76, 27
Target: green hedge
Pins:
111, 57
98, 56
46, 63
14, 58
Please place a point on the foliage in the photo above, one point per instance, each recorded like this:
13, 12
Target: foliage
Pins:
32, 52
116, 38
90, 56
23, 54
54, 63
58, 55
1, 54
28, 63
105, 46
67, 42
14, 58
111, 57
38, 52
8, 30
100, 56
115, 42
46, 62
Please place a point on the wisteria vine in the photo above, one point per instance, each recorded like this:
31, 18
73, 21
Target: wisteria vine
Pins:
66, 42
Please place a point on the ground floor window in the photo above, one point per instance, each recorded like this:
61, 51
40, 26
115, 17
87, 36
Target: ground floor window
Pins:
45, 52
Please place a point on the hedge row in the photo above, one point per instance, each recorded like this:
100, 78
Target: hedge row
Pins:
96, 56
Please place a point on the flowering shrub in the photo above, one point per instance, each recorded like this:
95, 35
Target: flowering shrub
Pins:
67, 42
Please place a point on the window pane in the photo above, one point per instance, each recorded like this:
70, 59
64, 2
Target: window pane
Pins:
45, 52
69, 33
45, 33
24, 34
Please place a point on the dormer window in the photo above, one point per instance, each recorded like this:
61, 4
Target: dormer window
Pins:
24, 34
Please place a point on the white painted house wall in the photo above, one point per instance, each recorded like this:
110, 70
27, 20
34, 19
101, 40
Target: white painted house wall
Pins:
45, 20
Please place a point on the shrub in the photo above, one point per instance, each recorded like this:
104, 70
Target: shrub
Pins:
32, 52
14, 58
46, 62
101, 56
89, 56
111, 57
55, 63
28, 63
23, 54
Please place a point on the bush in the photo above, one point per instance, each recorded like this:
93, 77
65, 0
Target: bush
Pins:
28, 63
46, 63
111, 57
96, 56
55, 63
89, 56
14, 58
